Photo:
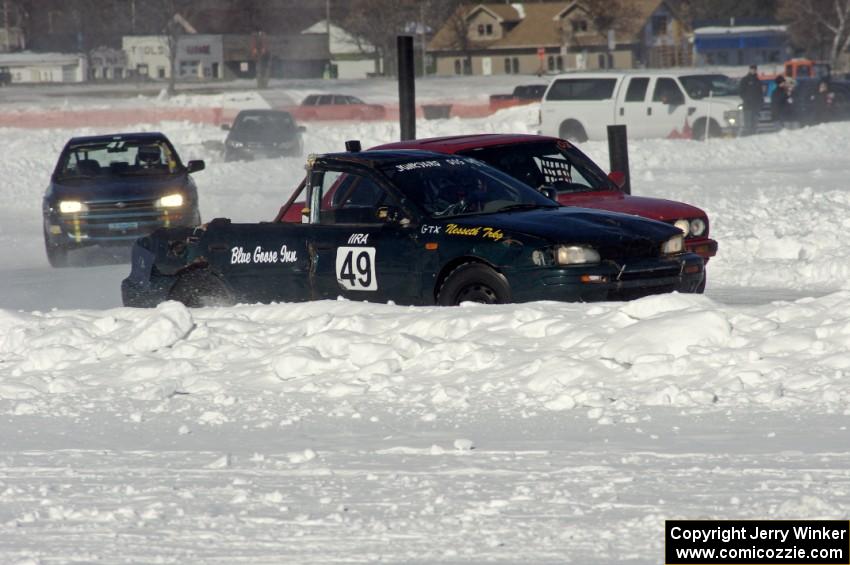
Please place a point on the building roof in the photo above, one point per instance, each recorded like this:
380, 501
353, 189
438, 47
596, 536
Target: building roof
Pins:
539, 24
740, 30
341, 42
30, 58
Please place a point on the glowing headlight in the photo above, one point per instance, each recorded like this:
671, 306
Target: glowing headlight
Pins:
673, 245
575, 255
697, 227
71, 206
171, 201
683, 225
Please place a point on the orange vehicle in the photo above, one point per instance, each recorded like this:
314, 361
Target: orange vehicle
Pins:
800, 68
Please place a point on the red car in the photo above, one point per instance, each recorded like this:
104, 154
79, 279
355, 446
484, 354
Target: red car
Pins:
337, 107
541, 161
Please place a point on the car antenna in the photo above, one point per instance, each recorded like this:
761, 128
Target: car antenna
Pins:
353, 146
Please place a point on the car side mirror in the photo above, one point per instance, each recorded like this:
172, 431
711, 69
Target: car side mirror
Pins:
549, 192
195, 166
618, 178
225, 127
301, 129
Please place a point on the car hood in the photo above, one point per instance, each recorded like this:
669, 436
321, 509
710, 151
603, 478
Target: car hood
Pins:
119, 187
655, 208
572, 225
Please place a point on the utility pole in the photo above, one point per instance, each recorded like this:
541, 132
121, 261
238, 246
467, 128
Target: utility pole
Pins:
6, 24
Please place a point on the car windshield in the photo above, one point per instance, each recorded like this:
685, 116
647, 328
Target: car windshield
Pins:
264, 125
117, 158
458, 186
555, 164
699, 86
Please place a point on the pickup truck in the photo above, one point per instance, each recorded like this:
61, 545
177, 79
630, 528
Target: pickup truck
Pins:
579, 106
522, 94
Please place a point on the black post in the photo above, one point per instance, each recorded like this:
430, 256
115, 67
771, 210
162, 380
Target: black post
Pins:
618, 154
406, 87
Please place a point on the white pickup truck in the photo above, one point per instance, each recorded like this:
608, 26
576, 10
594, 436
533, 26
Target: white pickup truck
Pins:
578, 106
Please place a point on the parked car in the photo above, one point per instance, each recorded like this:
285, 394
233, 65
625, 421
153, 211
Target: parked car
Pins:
579, 106
414, 227
522, 94
258, 134
548, 162
338, 107
111, 189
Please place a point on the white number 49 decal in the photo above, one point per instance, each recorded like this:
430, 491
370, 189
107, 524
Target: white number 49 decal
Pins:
355, 268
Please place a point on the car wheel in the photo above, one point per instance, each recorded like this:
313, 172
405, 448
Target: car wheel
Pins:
57, 255
701, 286
698, 131
199, 289
572, 130
474, 282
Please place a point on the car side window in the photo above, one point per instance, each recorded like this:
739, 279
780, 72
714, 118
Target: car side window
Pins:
352, 198
637, 89
325, 99
668, 92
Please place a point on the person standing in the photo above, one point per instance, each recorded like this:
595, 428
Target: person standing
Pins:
780, 103
751, 94
822, 102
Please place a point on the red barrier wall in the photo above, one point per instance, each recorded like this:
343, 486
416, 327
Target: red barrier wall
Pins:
113, 117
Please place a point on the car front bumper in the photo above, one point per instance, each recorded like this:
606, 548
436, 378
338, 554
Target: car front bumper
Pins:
119, 229
609, 280
704, 247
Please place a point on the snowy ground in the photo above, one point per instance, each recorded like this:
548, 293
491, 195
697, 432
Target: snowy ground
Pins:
347, 432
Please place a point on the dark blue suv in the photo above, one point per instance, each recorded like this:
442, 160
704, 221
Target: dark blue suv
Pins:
112, 189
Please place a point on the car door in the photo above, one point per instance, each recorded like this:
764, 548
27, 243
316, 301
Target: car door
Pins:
264, 262
668, 109
633, 108
362, 246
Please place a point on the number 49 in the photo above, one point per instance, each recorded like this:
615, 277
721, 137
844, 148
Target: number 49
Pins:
355, 268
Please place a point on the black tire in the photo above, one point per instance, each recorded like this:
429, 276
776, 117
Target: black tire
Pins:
199, 289
572, 130
474, 282
700, 289
698, 132
57, 255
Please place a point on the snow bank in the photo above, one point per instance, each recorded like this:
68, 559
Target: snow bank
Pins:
677, 350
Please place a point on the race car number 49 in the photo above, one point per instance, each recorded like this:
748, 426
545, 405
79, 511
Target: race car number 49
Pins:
355, 268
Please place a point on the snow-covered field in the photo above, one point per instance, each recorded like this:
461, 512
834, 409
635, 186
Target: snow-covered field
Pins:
348, 432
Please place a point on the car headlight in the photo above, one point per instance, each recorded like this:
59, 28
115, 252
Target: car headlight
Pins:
683, 225
171, 201
697, 227
673, 245
731, 116
71, 206
575, 255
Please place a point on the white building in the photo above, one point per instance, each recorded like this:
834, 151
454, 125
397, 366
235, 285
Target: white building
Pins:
351, 58
198, 56
30, 67
106, 63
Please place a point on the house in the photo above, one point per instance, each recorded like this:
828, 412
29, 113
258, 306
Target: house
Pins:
106, 63
350, 58
741, 45
199, 56
28, 67
497, 38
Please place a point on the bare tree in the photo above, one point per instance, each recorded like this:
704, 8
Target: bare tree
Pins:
378, 22
459, 37
170, 19
819, 21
